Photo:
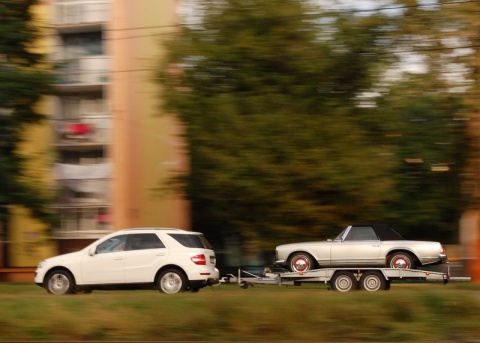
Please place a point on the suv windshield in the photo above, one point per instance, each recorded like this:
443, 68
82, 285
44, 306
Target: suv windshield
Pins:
191, 241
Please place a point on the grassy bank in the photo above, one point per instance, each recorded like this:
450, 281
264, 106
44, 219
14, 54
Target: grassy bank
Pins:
410, 312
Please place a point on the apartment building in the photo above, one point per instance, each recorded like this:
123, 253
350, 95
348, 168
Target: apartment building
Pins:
112, 146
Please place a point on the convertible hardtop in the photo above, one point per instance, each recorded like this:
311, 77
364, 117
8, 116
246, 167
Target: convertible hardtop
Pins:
384, 232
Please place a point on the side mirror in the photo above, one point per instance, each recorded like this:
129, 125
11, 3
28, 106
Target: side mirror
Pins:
91, 251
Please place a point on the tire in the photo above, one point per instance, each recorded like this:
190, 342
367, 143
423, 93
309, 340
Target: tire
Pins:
402, 260
300, 262
172, 281
59, 282
344, 281
373, 281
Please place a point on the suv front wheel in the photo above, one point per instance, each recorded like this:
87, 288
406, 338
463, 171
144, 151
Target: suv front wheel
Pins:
172, 281
59, 282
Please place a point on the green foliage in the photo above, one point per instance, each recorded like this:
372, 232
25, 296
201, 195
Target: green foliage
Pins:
24, 79
427, 133
280, 141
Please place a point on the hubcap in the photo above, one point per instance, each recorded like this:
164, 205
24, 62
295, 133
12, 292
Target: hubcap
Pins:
401, 263
343, 283
300, 264
171, 283
58, 284
372, 283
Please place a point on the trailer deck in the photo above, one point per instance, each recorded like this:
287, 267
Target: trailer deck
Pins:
342, 279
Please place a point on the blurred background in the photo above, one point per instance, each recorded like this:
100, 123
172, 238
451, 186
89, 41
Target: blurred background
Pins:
256, 122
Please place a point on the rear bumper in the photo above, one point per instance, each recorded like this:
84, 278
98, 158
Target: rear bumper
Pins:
442, 258
209, 278
197, 284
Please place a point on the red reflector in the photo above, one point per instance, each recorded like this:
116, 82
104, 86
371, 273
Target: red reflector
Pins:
204, 273
199, 259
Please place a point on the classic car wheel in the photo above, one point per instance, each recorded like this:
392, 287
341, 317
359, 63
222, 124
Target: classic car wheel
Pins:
172, 281
401, 260
373, 281
300, 262
59, 282
344, 282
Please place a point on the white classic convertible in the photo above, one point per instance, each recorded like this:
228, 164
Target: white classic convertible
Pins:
365, 245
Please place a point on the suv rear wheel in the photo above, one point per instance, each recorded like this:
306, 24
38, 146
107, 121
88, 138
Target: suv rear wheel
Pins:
172, 281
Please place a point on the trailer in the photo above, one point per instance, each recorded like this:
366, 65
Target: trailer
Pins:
341, 279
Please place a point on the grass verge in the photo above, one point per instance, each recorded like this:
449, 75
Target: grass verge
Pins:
408, 312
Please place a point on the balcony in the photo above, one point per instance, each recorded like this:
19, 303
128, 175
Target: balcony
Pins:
87, 131
85, 74
81, 222
80, 16
83, 200
83, 185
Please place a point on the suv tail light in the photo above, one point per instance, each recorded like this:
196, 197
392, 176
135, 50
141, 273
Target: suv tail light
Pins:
199, 259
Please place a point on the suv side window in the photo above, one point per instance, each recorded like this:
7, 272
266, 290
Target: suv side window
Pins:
114, 244
191, 241
142, 241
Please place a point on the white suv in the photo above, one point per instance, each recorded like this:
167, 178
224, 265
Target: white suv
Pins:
170, 260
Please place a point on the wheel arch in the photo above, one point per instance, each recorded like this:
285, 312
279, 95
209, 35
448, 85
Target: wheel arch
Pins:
302, 251
170, 266
58, 268
403, 250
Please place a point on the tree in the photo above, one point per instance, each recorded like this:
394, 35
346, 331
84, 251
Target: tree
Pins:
427, 132
24, 79
437, 112
278, 145
285, 141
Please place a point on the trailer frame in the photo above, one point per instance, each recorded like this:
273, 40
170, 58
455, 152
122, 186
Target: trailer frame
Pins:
342, 279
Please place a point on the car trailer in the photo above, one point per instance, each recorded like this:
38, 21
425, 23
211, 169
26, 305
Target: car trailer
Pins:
342, 279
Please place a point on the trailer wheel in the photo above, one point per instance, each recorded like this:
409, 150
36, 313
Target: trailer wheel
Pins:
401, 259
344, 281
300, 262
373, 281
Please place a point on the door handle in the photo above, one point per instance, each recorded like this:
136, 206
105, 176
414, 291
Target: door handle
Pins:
161, 254
118, 258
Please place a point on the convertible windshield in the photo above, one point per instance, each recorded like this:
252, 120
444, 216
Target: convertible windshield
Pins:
339, 237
